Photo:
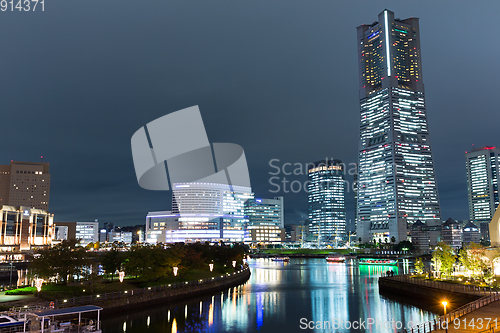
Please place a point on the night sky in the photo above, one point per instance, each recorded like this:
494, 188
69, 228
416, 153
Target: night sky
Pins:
279, 78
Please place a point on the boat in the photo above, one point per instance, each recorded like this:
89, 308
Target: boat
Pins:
11, 322
44, 320
283, 259
377, 261
339, 259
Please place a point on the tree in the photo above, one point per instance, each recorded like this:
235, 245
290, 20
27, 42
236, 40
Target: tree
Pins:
393, 239
404, 246
471, 257
443, 258
419, 266
111, 262
62, 262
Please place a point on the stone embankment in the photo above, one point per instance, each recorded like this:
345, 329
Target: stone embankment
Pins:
137, 298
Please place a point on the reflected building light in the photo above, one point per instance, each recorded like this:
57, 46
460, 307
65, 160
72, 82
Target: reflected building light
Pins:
174, 326
211, 314
168, 316
259, 310
124, 326
201, 307
186, 311
149, 320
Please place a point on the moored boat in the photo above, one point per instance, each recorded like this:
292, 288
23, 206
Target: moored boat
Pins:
339, 259
377, 261
284, 259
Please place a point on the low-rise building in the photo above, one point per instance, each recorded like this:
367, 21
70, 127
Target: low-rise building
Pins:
22, 228
451, 233
471, 234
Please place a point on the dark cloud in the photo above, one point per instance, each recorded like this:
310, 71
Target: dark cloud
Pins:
276, 77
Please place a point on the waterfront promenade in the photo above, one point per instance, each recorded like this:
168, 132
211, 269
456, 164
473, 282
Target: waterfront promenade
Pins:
479, 315
477, 320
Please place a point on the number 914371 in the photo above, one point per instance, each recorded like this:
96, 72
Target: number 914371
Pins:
22, 5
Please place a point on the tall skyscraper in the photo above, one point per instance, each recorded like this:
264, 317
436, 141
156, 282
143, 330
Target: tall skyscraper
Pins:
25, 184
326, 190
396, 181
482, 168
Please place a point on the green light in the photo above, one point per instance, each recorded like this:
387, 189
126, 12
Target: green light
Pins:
401, 31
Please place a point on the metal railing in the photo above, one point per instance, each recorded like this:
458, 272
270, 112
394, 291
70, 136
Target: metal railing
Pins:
80, 300
489, 295
457, 288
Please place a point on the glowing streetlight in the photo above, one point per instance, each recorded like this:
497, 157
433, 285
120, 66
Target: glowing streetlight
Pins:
444, 305
234, 263
38, 284
211, 267
121, 275
175, 270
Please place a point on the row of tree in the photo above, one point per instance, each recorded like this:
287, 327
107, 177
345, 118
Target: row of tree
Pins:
472, 258
67, 261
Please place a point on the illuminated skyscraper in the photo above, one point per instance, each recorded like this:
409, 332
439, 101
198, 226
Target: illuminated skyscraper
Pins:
482, 168
396, 181
326, 190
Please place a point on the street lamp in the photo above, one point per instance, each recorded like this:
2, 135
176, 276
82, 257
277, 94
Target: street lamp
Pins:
121, 275
211, 267
444, 305
234, 263
175, 270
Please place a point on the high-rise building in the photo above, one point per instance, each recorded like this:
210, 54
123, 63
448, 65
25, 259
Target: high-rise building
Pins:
25, 184
482, 168
396, 178
266, 220
326, 198
201, 212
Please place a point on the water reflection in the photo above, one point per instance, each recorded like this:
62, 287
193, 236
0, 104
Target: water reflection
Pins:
275, 299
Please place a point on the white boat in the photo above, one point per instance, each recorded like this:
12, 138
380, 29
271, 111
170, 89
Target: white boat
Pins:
10, 323
339, 259
44, 321
285, 259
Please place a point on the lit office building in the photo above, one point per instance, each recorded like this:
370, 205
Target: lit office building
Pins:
396, 178
482, 168
25, 184
266, 220
201, 212
22, 228
86, 232
471, 234
326, 201
451, 233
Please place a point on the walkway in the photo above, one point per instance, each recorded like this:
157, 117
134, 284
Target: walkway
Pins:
475, 318
15, 300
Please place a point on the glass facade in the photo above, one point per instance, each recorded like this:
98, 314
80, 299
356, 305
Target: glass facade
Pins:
265, 219
482, 168
326, 200
396, 178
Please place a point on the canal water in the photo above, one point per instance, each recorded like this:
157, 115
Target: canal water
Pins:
304, 295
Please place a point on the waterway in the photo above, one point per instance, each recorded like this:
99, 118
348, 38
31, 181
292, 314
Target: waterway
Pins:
304, 295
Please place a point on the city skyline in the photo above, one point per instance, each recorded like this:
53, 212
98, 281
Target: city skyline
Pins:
269, 83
